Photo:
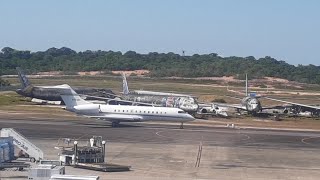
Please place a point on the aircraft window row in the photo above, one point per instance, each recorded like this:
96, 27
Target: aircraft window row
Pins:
181, 112
152, 112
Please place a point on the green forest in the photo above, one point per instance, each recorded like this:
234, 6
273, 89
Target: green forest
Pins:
160, 64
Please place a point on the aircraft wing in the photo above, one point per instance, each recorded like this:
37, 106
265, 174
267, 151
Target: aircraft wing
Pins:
118, 117
101, 97
273, 107
237, 106
154, 93
293, 103
121, 100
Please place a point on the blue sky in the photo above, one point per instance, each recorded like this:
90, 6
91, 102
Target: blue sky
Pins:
287, 30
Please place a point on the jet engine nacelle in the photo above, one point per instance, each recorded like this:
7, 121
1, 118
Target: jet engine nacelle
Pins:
285, 111
204, 110
186, 103
88, 108
213, 109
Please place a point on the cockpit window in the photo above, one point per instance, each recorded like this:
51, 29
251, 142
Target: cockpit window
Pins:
181, 112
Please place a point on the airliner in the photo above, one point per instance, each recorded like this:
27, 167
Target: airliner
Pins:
297, 108
249, 103
122, 113
183, 101
52, 93
165, 99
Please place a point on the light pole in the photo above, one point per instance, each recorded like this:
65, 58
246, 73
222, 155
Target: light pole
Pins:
103, 150
75, 143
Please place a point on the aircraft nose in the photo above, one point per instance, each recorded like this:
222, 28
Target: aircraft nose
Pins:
255, 107
191, 118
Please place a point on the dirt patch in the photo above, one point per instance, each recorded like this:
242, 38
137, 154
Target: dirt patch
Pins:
140, 72
272, 79
50, 73
224, 78
90, 73
209, 98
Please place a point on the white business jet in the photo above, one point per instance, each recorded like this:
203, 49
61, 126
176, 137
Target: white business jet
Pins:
122, 113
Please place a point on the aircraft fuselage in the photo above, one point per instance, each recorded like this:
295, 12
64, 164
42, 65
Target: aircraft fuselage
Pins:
252, 104
134, 113
53, 93
187, 104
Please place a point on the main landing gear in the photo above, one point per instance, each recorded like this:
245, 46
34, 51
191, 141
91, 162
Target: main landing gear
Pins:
181, 126
114, 124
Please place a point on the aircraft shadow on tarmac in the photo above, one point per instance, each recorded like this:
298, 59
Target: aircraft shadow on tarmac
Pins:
103, 125
16, 177
126, 125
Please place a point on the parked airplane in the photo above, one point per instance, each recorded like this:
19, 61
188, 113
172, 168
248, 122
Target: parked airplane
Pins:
297, 108
52, 93
122, 113
249, 103
182, 101
206, 109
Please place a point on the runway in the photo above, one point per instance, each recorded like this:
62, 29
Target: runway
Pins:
162, 134
165, 151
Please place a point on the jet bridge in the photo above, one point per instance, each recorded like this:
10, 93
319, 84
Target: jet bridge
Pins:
23, 143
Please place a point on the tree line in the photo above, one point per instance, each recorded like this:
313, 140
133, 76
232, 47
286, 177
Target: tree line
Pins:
159, 64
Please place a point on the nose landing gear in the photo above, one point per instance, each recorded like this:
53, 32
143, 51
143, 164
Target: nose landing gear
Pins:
181, 126
114, 124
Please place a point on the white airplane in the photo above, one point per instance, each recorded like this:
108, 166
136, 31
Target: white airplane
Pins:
122, 113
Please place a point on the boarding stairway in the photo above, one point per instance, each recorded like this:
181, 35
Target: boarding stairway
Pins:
23, 143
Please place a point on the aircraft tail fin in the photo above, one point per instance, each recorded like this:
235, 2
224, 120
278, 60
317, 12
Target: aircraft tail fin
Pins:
23, 78
125, 88
246, 85
71, 98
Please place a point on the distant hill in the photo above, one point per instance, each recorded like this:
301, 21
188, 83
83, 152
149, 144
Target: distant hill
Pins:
159, 64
